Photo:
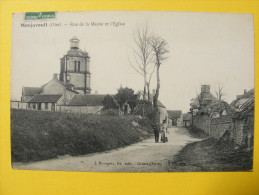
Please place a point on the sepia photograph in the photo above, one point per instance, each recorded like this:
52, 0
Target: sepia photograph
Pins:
132, 91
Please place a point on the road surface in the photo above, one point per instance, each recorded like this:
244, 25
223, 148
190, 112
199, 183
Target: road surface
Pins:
145, 156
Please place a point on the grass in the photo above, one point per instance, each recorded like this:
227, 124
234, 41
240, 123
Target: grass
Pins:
214, 155
37, 135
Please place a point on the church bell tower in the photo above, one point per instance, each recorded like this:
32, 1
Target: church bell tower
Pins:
74, 68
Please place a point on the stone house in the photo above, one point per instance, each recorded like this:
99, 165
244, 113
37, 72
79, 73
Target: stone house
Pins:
29, 92
187, 119
176, 117
85, 104
45, 102
242, 131
163, 112
214, 119
203, 99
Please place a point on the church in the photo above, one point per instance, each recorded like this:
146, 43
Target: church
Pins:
68, 91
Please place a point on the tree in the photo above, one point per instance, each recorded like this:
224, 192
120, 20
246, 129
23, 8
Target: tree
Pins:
159, 48
126, 96
109, 103
219, 91
142, 56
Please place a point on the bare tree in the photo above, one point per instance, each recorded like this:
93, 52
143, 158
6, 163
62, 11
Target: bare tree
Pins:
142, 56
219, 91
159, 48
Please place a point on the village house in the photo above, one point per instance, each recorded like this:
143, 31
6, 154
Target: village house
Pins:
202, 99
242, 131
74, 79
176, 117
187, 119
85, 104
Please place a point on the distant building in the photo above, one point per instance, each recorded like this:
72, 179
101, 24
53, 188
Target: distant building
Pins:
176, 117
187, 119
202, 99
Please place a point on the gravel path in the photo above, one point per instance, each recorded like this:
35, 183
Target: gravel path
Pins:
145, 156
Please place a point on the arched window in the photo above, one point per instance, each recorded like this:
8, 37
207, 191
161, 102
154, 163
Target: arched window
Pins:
75, 67
78, 66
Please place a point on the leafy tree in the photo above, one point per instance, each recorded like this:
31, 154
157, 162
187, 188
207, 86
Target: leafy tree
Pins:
126, 96
109, 103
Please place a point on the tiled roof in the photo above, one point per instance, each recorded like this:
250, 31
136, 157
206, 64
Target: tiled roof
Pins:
87, 100
174, 113
187, 116
30, 91
45, 98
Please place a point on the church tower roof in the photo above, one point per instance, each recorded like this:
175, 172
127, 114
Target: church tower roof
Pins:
74, 50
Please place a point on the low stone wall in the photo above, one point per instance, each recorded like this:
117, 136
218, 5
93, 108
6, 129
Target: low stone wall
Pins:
80, 109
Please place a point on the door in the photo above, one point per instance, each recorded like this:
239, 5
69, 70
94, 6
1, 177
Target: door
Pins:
39, 106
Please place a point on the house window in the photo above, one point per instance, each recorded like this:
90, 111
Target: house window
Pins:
75, 66
46, 106
78, 66
53, 106
34, 105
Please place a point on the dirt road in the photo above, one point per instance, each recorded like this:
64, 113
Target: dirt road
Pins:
145, 156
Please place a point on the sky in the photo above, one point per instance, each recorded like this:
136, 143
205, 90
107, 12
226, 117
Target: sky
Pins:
204, 48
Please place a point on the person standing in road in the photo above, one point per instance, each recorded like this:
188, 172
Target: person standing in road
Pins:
163, 132
156, 132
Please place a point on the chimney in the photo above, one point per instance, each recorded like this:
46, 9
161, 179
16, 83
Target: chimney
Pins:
205, 88
244, 91
55, 76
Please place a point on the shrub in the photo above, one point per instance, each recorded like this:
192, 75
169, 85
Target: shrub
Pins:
37, 135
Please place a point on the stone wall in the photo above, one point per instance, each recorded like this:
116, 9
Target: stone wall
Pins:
219, 126
214, 127
202, 122
19, 105
80, 109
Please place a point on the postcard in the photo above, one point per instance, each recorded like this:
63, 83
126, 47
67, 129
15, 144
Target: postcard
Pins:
132, 91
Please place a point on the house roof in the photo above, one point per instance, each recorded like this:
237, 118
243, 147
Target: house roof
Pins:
246, 108
244, 96
217, 107
174, 113
30, 91
159, 104
187, 116
87, 100
45, 98
207, 96
67, 86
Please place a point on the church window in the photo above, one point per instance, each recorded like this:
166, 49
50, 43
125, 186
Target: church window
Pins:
78, 66
75, 67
